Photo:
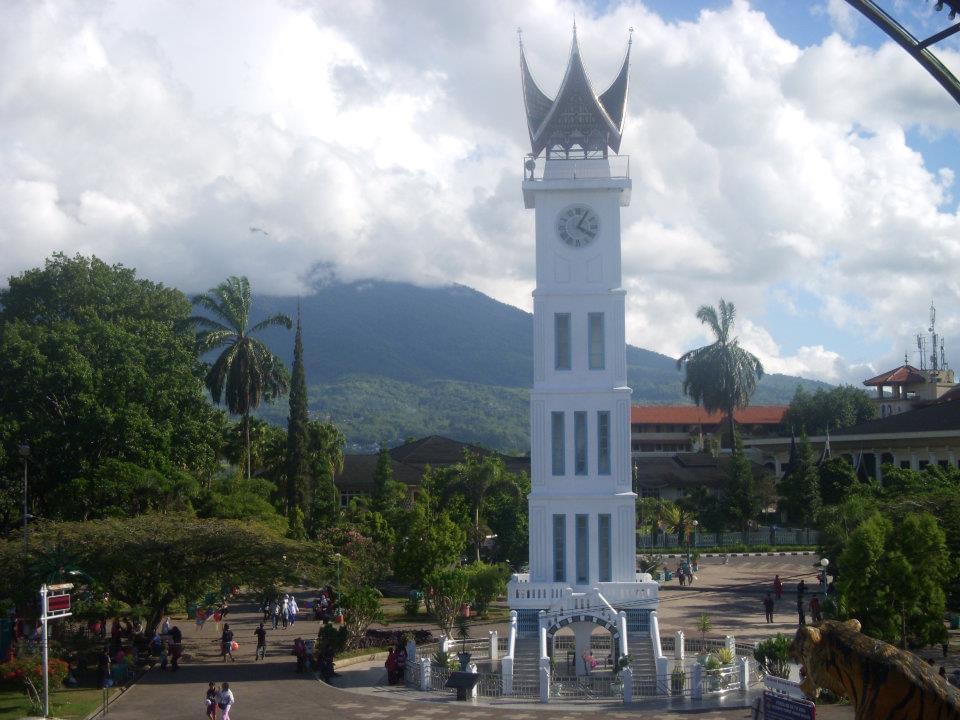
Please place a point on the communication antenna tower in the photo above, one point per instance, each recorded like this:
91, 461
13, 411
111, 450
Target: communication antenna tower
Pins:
922, 350
934, 359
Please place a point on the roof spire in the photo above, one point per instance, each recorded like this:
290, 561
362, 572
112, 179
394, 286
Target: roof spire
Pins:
520, 37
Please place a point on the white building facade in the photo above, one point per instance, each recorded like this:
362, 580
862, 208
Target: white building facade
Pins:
582, 507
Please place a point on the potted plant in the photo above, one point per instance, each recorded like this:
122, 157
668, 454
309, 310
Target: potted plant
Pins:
712, 672
678, 679
703, 625
463, 633
773, 655
623, 662
725, 656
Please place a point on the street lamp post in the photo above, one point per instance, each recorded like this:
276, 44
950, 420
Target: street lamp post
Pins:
338, 557
25, 456
823, 575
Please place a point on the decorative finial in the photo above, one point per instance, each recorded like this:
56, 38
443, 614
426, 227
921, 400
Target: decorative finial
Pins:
520, 36
574, 23
630, 39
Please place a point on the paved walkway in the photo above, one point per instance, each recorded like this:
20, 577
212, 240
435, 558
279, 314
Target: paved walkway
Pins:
272, 689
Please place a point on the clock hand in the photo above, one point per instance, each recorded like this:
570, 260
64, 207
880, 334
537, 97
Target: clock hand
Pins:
580, 224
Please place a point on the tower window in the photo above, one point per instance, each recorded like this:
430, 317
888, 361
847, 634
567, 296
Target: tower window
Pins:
561, 341
559, 548
595, 341
603, 546
583, 549
603, 442
580, 443
557, 433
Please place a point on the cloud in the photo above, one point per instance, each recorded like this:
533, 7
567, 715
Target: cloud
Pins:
377, 139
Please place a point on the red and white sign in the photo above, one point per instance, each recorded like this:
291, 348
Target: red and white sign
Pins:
58, 603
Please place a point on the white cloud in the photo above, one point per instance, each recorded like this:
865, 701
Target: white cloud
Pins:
384, 139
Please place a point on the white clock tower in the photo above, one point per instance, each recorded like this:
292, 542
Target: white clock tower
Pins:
582, 506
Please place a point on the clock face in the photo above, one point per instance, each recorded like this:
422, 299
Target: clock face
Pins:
578, 225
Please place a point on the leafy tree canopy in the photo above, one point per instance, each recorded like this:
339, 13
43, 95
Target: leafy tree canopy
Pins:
800, 487
833, 409
150, 561
95, 365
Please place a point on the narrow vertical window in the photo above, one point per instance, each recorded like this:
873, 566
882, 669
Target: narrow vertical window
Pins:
559, 548
583, 549
561, 341
603, 442
603, 546
557, 444
580, 443
595, 341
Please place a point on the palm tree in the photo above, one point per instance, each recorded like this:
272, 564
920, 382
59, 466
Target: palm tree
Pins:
474, 480
246, 372
721, 376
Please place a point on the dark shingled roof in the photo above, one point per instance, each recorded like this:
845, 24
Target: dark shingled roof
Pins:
409, 460
939, 416
685, 470
903, 375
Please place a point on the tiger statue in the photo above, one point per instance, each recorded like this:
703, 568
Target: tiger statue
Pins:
881, 681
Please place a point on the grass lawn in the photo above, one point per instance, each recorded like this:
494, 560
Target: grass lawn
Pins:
69, 703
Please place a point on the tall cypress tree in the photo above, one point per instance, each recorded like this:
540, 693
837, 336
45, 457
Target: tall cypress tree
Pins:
297, 441
800, 488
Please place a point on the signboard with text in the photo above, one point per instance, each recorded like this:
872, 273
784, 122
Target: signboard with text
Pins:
777, 706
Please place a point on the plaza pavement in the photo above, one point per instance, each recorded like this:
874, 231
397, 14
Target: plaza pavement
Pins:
730, 594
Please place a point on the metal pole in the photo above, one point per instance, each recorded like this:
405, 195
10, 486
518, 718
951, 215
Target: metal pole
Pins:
26, 536
46, 661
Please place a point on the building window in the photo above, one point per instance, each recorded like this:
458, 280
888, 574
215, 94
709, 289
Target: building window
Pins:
557, 442
646, 492
603, 442
580, 443
595, 336
561, 341
603, 546
583, 549
559, 548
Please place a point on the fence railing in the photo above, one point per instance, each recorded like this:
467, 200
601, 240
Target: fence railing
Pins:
708, 539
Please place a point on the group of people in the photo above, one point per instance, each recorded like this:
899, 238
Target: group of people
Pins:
816, 610
280, 610
685, 574
325, 606
396, 664
221, 699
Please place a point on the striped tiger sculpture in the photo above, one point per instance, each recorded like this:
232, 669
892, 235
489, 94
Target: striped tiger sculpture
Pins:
881, 682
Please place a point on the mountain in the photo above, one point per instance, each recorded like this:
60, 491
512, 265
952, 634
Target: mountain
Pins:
387, 361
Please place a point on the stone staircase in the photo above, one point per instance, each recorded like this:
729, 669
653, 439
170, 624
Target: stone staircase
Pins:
526, 666
644, 666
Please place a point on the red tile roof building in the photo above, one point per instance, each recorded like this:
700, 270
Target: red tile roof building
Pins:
689, 428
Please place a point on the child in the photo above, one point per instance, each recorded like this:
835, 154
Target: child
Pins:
225, 700
163, 657
211, 701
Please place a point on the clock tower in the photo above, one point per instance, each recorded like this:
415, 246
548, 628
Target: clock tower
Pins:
582, 506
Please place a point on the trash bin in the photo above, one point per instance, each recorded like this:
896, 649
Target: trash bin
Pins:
955, 622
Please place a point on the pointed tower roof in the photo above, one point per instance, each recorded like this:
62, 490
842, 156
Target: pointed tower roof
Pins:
577, 116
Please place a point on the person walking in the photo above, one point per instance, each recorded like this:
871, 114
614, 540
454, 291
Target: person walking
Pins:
275, 612
292, 610
778, 587
225, 701
300, 650
768, 607
284, 613
211, 701
801, 589
815, 613
226, 643
801, 613
176, 647
261, 634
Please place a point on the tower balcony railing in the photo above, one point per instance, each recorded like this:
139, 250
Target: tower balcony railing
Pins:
576, 166
524, 593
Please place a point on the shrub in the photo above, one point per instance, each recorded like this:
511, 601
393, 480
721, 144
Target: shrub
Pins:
411, 606
773, 655
486, 583
725, 656
30, 669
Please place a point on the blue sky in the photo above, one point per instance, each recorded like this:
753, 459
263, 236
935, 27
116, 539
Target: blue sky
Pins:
785, 155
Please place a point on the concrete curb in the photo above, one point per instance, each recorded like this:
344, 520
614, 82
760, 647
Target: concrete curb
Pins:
117, 695
357, 659
746, 554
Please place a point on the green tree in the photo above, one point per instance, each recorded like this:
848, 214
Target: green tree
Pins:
445, 592
152, 561
486, 583
95, 365
245, 373
826, 410
837, 478
474, 479
324, 508
739, 500
426, 541
361, 608
297, 432
233, 497
296, 531
388, 494
891, 578
721, 376
800, 488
